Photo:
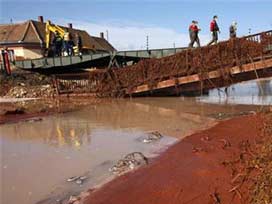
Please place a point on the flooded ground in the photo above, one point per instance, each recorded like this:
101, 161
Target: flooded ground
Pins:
38, 157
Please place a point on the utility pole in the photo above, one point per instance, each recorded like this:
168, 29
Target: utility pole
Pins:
174, 45
147, 42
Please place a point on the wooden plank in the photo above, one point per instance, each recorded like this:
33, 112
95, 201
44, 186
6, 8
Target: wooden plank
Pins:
211, 75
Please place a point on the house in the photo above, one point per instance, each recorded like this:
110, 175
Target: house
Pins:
27, 39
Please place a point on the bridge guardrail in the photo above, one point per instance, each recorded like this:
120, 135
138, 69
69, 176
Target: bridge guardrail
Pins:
57, 61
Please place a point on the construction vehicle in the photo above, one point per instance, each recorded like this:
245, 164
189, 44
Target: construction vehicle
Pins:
54, 29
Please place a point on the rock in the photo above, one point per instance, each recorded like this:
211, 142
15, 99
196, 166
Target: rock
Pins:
130, 162
152, 136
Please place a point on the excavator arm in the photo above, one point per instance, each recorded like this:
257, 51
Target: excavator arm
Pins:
52, 28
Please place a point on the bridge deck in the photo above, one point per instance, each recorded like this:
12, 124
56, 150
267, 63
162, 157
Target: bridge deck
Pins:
254, 70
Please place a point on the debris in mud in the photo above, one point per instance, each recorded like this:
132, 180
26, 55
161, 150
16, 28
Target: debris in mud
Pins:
35, 119
223, 116
71, 179
206, 138
80, 198
129, 162
46, 91
262, 163
74, 200
225, 142
77, 179
152, 136
215, 197
197, 149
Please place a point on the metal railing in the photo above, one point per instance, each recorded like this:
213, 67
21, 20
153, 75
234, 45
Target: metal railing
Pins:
61, 61
75, 83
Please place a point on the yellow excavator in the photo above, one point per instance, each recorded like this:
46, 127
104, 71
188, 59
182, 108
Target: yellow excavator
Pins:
54, 29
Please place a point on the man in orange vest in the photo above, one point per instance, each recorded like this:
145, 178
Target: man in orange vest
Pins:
214, 30
193, 32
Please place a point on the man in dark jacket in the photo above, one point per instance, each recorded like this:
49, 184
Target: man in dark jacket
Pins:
79, 44
214, 30
57, 41
193, 32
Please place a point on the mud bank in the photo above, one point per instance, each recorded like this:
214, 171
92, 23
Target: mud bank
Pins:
205, 167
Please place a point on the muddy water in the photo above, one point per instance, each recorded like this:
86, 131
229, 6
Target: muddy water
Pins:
38, 157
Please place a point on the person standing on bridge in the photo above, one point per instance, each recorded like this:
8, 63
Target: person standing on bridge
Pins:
57, 41
67, 43
79, 44
214, 30
233, 29
193, 32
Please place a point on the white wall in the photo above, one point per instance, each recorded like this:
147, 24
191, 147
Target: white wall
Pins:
26, 53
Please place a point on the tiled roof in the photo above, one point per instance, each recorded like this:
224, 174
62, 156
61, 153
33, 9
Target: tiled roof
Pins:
34, 32
12, 32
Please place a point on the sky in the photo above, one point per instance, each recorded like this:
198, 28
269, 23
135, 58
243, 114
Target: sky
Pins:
128, 22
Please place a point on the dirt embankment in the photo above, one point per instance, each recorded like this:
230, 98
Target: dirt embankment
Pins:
24, 84
214, 166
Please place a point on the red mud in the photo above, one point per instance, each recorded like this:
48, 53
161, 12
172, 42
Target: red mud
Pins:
197, 170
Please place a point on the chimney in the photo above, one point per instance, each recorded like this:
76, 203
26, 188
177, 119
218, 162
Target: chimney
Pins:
102, 35
70, 25
40, 19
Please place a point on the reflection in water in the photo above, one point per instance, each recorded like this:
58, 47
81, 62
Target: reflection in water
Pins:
264, 88
55, 132
71, 136
258, 92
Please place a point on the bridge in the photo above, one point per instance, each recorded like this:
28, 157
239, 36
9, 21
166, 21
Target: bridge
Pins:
164, 72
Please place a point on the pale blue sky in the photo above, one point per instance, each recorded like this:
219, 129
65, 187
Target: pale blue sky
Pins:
172, 17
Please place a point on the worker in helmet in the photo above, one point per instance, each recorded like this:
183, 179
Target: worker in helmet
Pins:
66, 43
57, 41
233, 29
193, 32
214, 30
